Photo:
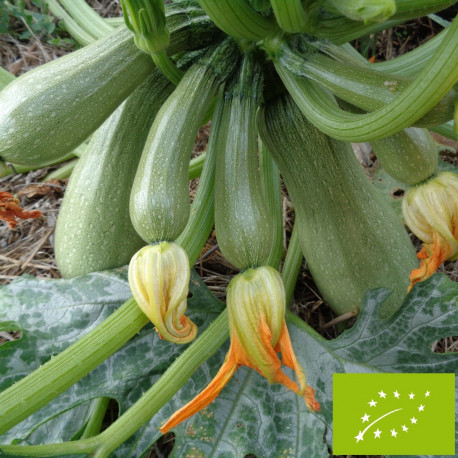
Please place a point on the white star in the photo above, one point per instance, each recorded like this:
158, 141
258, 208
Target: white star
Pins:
413, 420
372, 403
421, 408
394, 432
359, 437
382, 394
365, 418
411, 395
404, 428
427, 394
396, 394
377, 433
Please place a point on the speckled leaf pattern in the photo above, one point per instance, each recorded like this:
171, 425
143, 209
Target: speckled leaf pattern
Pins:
393, 190
249, 416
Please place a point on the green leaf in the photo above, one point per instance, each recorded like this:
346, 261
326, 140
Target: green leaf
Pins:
249, 416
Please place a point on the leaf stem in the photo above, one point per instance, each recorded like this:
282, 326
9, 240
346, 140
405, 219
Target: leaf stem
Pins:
292, 264
53, 378
167, 67
148, 405
430, 86
238, 19
97, 415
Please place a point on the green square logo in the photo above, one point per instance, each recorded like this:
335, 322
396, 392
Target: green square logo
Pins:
394, 414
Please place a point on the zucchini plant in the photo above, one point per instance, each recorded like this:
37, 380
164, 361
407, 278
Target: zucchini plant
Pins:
286, 93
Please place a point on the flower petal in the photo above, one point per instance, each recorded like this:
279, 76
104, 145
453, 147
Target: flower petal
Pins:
205, 397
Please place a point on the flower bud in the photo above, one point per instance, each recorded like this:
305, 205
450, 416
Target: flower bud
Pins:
430, 210
159, 281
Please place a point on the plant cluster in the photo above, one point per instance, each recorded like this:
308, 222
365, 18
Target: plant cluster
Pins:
286, 94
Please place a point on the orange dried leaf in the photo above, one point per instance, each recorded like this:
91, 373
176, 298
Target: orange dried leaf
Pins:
10, 210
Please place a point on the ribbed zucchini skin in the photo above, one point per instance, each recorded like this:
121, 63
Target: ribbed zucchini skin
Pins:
244, 227
159, 203
351, 239
410, 156
94, 231
50, 110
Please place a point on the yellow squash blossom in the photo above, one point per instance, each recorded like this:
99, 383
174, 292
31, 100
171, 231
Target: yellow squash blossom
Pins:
431, 212
159, 281
256, 308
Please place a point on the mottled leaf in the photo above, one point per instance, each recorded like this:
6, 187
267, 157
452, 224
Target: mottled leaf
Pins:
249, 416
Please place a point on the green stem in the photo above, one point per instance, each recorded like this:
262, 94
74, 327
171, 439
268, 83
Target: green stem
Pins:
271, 186
238, 19
149, 404
54, 377
97, 415
196, 165
292, 15
167, 67
87, 18
292, 264
430, 86
412, 62
62, 172
71, 26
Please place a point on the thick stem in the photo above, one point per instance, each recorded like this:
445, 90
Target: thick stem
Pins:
238, 19
430, 86
54, 377
87, 18
148, 405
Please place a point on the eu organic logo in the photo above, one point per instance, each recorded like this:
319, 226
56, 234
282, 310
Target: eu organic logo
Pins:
394, 414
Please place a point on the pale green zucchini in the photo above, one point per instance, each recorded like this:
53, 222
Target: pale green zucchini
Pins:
243, 223
94, 231
159, 204
50, 110
410, 156
351, 239
5, 78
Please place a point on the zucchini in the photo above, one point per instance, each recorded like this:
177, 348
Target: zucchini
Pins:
50, 110
410, 156
5, 78
243, 223
94, 231
159, 203
351, 239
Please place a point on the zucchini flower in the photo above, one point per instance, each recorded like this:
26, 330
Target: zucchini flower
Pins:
256, 308
10, 210
159, 281
146, 19
431, 212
